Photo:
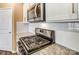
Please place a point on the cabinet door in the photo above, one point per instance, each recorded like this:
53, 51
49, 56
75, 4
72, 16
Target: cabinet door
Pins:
61, 11
78, 10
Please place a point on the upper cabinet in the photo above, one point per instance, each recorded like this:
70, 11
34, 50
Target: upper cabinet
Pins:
78, 10
58, 12
61, 11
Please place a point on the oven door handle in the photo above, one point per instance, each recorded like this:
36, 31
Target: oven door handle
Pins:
35, 10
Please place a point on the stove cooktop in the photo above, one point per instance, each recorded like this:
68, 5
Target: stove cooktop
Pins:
34, 42
42, 37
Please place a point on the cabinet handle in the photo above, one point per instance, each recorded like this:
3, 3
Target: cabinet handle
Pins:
73, 11
9, 32
35, 10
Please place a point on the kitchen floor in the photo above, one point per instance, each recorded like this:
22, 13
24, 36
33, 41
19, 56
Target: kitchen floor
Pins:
2, 52
53, 49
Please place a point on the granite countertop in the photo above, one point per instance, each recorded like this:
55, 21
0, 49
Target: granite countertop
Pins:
56, 49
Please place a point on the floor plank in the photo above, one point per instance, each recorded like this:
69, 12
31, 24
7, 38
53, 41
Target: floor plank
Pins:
2, 52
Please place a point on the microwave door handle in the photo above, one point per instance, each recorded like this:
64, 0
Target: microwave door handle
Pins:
36, 10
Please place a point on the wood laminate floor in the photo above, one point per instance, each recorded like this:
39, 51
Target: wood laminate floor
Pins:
2, 52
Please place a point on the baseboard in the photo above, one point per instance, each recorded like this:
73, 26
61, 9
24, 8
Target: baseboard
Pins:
14, 51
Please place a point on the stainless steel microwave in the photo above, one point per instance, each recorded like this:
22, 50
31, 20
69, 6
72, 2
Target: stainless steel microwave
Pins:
36, 13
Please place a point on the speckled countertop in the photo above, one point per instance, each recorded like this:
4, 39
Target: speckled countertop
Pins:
55, 49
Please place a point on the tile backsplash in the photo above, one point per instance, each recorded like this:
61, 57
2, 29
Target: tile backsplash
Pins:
55, 26
52, 26
22, 27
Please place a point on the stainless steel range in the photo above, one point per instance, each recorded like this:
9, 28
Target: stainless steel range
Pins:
42, 37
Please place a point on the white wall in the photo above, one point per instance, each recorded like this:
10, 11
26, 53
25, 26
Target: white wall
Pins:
21, 27
63, 35
32, 27
68, 39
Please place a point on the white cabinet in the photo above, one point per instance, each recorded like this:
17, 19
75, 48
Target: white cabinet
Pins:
61, 11
78, 10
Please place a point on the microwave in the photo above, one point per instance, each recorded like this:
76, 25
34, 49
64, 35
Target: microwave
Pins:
36, 13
